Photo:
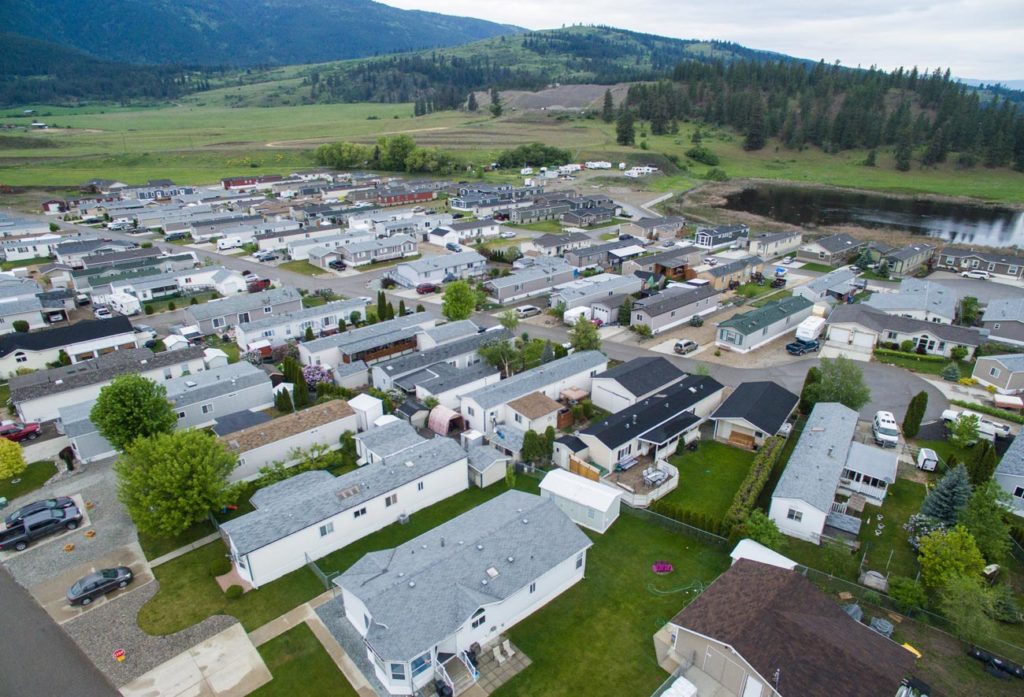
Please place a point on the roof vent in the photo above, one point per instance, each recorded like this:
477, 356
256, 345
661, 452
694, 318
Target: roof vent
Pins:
511, 559
492, 572
830, 449
401, 574
191, 383
409, 463
480, 547
58, 381
423, 546
412, 584
525, 521
483, 582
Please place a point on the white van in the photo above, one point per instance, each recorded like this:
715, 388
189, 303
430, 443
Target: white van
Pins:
885, 430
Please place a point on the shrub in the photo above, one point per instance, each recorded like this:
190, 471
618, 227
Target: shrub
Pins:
193, 300
991, 411
924, 358
148, 309
702, 155
907, 593
219, 567
907, 346
750, 489
233, 592
172, 306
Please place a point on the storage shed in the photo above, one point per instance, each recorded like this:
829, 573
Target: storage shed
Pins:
591, 504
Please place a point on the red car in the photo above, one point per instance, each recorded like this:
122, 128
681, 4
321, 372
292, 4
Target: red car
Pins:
12, 430
426, 288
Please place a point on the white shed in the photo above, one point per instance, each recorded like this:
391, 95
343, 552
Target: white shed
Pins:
755, 551
368, 409
591, 504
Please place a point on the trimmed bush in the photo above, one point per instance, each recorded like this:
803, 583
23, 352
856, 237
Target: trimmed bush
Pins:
925, 358
233, 592
991, 411
753, 484
219, 567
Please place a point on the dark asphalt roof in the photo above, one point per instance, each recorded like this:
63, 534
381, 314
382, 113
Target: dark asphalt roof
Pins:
239, 420
86, 330
643, 374
765, 405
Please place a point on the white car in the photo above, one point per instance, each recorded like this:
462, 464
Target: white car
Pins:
788, 260
978, 274
525, 311
102, 313
507, 235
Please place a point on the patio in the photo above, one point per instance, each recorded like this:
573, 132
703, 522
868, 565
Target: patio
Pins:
492, 674
645, 480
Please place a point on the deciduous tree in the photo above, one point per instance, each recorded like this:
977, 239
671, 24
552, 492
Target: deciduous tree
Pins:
131, 407
12, 460
583, 336
984, 517
459, 301
963, 431
841, 381
948, 554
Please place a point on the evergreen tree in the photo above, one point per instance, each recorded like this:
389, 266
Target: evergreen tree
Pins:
949, 496
904, 149
983, 463
625, 129
548, 354
401, 308
283, 402
915, 413
608, 110
755, 139
984, 518
471, 104
382, 306
869, 161
496, 108
625, 312
300, 393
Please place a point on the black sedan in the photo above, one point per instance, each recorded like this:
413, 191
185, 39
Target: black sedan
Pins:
17, 516
92, 586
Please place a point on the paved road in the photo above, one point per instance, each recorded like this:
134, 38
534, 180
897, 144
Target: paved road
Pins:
36, 656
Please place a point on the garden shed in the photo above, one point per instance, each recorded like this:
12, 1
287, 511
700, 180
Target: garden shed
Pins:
591, 504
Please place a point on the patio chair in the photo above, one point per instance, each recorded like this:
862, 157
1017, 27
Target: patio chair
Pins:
507, 645
498, 655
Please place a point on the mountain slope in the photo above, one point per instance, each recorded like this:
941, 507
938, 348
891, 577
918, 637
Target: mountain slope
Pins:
237, 32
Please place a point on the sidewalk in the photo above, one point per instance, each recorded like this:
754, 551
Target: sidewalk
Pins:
184, 550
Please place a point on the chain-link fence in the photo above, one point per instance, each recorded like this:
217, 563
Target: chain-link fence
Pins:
676, 526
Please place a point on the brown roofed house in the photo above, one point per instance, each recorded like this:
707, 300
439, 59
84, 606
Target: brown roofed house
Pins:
760, 630
534, 412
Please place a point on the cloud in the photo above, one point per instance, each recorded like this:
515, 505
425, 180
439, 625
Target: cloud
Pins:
974, 38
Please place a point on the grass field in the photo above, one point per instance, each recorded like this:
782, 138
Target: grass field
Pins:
300, 665
709, 478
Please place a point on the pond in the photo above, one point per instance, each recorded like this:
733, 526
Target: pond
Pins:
963, 223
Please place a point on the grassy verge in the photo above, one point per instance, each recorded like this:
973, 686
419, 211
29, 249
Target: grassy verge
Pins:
926, 367
154, 547
180, 302
388, 263
753, 290
300, 666
709, 478
33, 477
542, 226
762, 301
8, 265
820, 268
303, 267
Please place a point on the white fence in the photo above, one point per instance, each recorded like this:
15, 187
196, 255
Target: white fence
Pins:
636, 500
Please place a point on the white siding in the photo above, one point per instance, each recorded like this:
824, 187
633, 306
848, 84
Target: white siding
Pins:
810, 525
283, 450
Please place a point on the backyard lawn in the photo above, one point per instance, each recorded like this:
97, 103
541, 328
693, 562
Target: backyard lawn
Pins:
762, 301
595, 638
302, 266
820, 268
301, 666
33, 477
709, 478
178, 301
753, 290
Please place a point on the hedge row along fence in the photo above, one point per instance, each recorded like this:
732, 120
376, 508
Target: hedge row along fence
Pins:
924, 358
991, 411
753, 484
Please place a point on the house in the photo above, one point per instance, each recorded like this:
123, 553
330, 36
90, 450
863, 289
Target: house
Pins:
377, 250
1006, 266
72, 252
825, 462
918, 299
144, 287
831, 250
475, 230
908, 259
279, 329
287, 439
587, 217
539, 212
446, 383
655, 228
38, 396
371, 344
494, 565
279, 240
673, 307
485, 408
836, 285
590, 504
763, 631
630, 382
439, 269
755, 328
712, 238
486, 465
772, 245
80, 342
582, 292
20, 302
606, 310
382, 441
754, 412
534, 412
720, 275
653, 426
1009, 475
447, 332
222, 314
858, 329
314, 513
672, 263
1004, 372
29, 247
555, 245
1004, 320
459, 354
536, 276
603, 255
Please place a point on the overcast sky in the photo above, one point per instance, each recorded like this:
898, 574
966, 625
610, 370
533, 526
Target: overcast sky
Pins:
981, 39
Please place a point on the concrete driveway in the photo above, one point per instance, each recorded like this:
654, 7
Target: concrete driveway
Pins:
59, 537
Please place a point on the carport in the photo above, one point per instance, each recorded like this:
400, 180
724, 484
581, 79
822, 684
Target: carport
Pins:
443, 420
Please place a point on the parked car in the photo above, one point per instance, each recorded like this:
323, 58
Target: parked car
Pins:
38, 525
255, 285
685, 346
173, 236
978, 274
788, 260
337, 264
506, 235
710, 261
524, 311
265, 256
17, 431
98, 583
15, 517
426, 288
778, 283
799, 348
102, 313
669, 243
82, 299
146, 330
452, 247
885, 430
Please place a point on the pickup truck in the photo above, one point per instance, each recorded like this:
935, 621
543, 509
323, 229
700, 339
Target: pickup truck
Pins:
987, 428
39, 525
799, 347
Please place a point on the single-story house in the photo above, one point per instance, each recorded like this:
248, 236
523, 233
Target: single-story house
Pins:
601, 255
712, 238
460, 354
447, 383
534, 412
996, 263
655, 228
775, 244
279, 329
918, 299
1004, 372
754, 412
1004, 320
372, 343
220, 315
830, 250
755, 328
763, 631
447, 333
1009, 474
372, 251
537, 278
838, 284
286, 439
672, 263
315, 513
859, 329
627, 383
674, 306
555, 245
908, 259
80, 341
654, 426
390, 438
584, 291
591, 504
439, 269
720, 275
494, 565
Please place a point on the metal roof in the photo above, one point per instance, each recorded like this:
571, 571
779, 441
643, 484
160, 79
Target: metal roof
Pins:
747, 323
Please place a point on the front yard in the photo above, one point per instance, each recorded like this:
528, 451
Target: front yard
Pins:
909, 362
709, 478
179, 301
34, 476
300, 666
753, 290
302, 266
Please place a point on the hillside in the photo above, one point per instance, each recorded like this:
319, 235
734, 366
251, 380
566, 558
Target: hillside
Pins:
237, 32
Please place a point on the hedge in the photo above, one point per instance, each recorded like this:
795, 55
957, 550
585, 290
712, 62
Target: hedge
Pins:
703, 521
991, 411
753, 484
927, 358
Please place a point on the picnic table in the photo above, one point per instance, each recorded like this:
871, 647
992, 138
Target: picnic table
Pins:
654, 476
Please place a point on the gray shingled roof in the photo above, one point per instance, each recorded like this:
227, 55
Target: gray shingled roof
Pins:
995, 257
734, 266
451, 331
838, 242
421, 592
1011, 361
1004, 310
389, 439
859, 313
242, 302
673, 298
819, 457
482, 457
536, 378
643, 374
839, 279
306, 499
355, 340
1012, 463
444, 261
552, 240
207, 384
916, 295
442, 377
341, 308
403, 365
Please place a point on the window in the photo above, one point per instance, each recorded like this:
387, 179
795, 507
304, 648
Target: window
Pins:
359, 512
366, 620
891, 336
181, 415
996, 325
268, 310
518, 418
207, 408
533, 587
326, 529
623, 452
1019, 492
268, 332
391, 500
579, 560
479, 621
20, 357
469, 410
794, 515
398, 671
420, 664
218, 322
419, 486
1012, 270
993, 372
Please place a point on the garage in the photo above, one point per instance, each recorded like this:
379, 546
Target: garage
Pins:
845, 340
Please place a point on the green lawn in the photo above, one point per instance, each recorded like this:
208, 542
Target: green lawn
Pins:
820, 268
386, 264
228, 347
542, 226
903, 500
761, 302
303, 267
33, 477
300, 666
154, 546
944, 449
752, 290
8, 265
5, 398
927, 367
179, 302
608, 619
709, 478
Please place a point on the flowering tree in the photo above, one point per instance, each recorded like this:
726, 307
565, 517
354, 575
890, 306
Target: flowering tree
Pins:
315, 374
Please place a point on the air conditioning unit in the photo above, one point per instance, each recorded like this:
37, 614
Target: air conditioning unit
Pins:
403, 519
